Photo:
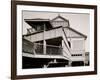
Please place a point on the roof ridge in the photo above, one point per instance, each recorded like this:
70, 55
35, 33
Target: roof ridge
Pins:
59, 16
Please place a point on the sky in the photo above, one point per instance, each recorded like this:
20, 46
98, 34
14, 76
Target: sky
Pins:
78, 21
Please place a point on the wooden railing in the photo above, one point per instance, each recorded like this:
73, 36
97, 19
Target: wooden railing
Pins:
37, 49
53, 50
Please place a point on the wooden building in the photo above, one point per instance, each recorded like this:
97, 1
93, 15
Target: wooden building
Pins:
52, 43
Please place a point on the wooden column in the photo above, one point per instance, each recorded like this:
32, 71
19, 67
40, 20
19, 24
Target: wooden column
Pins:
84, 53
69, 63
44, 42
62, 46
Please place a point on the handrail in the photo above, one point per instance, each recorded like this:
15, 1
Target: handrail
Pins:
48, 45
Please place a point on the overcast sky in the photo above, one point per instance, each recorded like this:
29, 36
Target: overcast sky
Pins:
79, 22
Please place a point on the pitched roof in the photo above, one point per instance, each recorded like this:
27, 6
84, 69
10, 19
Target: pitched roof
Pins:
76, 32
60, 17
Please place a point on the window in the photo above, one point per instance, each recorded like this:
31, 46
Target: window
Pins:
76, 55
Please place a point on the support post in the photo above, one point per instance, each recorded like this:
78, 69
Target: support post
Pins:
55, 61
69, 63
44, 47
84, 54
44, 42
44, 66
62, 46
